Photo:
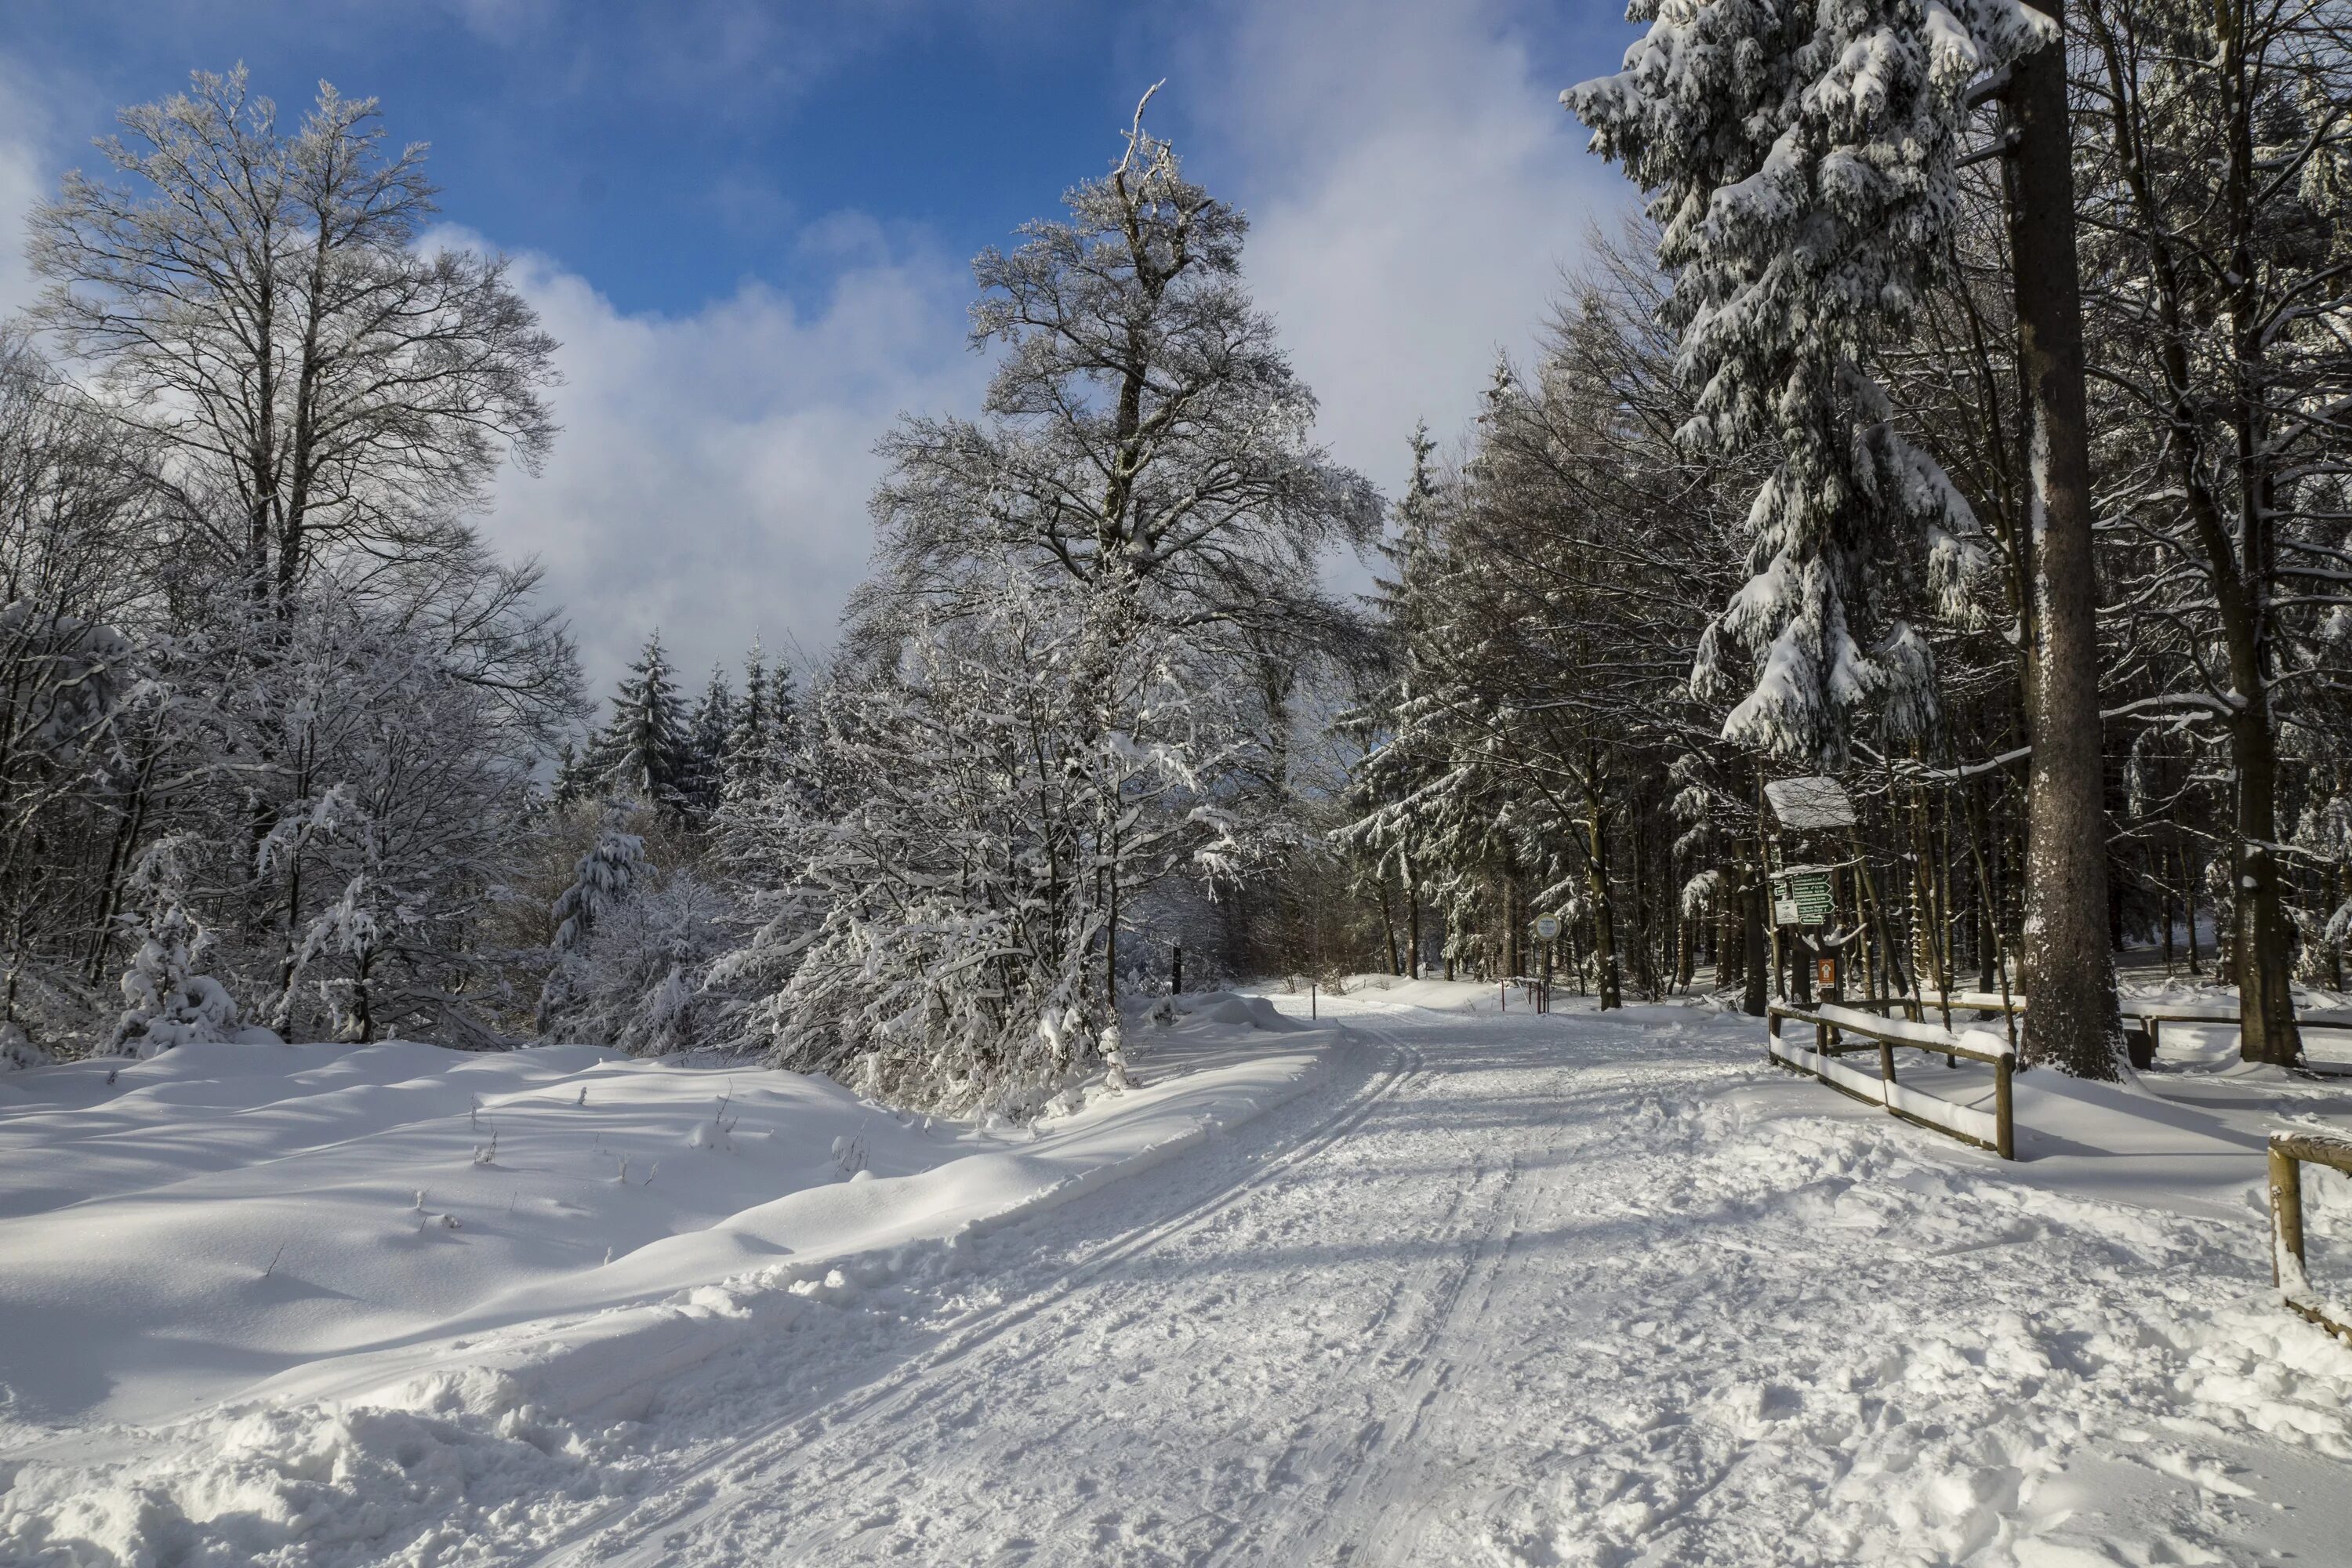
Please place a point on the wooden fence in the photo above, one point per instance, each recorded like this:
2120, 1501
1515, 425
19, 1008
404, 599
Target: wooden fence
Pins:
2289, 1153
1994, 1129
2149, 1016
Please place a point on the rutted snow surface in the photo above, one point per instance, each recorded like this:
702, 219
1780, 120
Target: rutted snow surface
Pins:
1516, 1290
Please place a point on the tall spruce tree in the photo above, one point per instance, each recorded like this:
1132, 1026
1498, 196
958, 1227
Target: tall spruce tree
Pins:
708, 733
646, 751
1802, 165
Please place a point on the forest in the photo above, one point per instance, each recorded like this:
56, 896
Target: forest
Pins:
1785, 490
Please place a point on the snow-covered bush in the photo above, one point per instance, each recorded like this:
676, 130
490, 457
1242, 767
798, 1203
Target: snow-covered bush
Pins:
635, 978
170, 1001
939, 878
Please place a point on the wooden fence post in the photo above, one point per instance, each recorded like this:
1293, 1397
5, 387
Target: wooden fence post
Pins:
2286, 1208
2004, 1135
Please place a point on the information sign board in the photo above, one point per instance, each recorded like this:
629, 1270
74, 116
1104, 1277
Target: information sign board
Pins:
1802, 897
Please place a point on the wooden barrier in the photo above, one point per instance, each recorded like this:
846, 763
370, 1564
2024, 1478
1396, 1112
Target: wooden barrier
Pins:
2289, 1150
1996, 1131
2151, 1016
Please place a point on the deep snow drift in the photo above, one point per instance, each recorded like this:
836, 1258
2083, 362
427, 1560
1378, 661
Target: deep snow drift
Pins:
1472, 1287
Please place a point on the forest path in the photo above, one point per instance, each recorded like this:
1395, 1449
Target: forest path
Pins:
1521, 1289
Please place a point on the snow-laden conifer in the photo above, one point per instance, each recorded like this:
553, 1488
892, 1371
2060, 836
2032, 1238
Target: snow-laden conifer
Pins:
645, 752
1802, 159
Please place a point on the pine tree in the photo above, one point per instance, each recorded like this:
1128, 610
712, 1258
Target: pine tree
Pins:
603, 878
750, 736
646, 753
572, 779
708, 735
601, 882
1802, 165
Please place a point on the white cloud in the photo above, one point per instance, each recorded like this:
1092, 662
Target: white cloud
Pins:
25, 163
713, 470
1415, 190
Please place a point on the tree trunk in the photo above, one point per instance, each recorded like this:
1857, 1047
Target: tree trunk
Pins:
2188, 907
1604, 933
1755, 997
2266, 939
2069, 971
1412, 917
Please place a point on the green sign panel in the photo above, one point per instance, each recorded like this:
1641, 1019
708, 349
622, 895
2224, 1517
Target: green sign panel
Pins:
1803, 899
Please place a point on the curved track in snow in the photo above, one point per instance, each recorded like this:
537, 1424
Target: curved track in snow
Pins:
1535, 1290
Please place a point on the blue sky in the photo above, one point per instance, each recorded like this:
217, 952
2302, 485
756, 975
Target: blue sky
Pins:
751, 224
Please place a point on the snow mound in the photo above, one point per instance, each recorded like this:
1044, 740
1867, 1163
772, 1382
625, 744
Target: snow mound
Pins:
1232, 1007
280, 1299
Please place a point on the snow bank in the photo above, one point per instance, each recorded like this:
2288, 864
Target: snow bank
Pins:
1232, 1007
406, 1227
1489, 996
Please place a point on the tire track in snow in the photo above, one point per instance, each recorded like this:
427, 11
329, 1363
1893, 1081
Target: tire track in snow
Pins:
774, 1453
1433, 1374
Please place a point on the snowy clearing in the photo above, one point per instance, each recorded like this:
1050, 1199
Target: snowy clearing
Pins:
1473, 1287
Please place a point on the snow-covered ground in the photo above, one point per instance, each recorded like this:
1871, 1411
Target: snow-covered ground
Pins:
1475, 1285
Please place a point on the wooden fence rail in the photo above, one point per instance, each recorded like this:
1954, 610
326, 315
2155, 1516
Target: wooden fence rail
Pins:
2150, 1018
1996, 1131
2289, 1153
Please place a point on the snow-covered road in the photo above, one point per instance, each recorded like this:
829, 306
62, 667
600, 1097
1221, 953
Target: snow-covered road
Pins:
1532, 1290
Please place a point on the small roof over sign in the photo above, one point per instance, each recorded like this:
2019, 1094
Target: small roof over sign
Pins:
1810, 805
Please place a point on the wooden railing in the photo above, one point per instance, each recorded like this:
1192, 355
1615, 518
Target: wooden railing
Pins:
2151, 1016
2289, 1152
1995, 1131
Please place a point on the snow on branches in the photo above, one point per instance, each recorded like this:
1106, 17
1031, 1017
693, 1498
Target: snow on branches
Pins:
962, 846
1802, 164
169, 1000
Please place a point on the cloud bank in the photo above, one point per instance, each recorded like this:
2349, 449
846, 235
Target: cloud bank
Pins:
711, 477
1415, 191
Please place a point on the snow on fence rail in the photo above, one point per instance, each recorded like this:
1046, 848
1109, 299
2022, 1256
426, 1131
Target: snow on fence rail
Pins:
2147, 1019
1993, 1130
2289, 1150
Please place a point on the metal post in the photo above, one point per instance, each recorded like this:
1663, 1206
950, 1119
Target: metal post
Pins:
1176, 986
1314, 1007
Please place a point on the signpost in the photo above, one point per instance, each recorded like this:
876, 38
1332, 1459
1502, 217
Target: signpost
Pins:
1811, 813
1547, 928
1803, 896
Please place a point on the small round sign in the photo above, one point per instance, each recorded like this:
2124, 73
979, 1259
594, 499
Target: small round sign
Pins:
1548, 926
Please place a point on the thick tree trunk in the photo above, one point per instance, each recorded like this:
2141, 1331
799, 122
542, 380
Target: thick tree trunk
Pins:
1756, 996
1604, 930
2069, 970
2266, 939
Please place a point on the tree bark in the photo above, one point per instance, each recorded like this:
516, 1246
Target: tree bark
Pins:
1604, 927
2069, 969
2264, 936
